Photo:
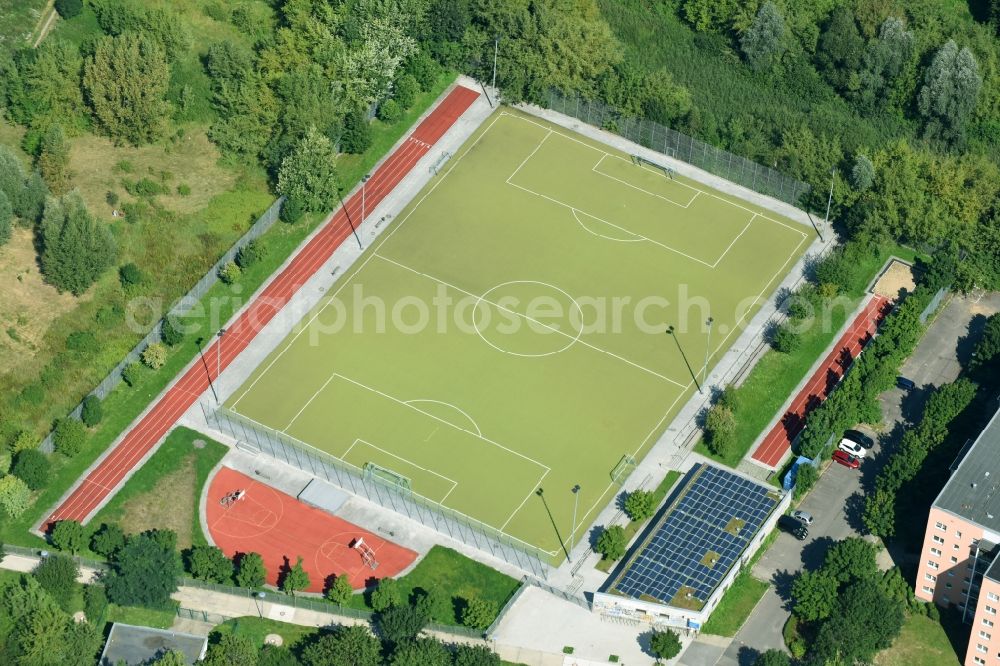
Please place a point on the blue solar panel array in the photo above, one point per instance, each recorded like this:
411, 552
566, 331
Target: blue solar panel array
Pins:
672, 558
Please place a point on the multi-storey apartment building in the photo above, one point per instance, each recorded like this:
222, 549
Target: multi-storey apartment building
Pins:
960, 559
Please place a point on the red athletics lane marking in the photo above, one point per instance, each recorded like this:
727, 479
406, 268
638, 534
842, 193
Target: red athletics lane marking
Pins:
281, 528
98, 484
778, 442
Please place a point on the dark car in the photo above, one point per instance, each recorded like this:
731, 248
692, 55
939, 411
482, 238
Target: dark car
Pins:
905, 383
793, 526
846, 459
860, 438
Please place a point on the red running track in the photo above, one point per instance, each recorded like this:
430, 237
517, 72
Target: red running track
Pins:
779, 441
282, 529
104, 479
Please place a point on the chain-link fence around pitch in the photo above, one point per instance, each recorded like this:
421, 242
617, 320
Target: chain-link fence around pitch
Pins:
448, 521
672, 143
180, 307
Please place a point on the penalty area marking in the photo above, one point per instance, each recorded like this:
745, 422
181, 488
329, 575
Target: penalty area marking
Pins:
453, 482
461, 411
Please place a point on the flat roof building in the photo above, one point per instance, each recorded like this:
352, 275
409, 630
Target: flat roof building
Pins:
960, 560
130, 644
707, 532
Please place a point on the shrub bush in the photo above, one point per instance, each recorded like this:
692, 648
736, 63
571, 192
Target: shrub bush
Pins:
69, 8
720, 428
479, 613
132, 373
144, 187
84, 342
69, 535
154, 356
406, 91
130, 276
611, 544
24, 440
107, 539
32, 467
291, 211
57, 575
69, 436
250, 254
92, 411
805, 479
184, 189
170, 332
95, 602
389, 111
230, 272
639, 504
386, 595
785, 339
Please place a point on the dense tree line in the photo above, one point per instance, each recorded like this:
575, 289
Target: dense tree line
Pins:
853, 610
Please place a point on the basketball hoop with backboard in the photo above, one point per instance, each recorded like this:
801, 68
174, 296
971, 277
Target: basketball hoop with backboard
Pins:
233, 497
366, 552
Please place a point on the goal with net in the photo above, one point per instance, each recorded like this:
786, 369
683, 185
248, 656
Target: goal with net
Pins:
386, 476
622, 470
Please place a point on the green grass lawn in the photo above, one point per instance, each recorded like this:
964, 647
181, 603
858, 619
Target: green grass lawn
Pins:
635, 526
140, 504
922, 642
143, 617
459, 576
256, 629
736, 606
125, 403
452, 335
19, 22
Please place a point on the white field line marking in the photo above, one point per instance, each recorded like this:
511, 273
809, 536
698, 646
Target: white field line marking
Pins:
360, 471
584, 143
610, 224
733, 242
591, 231
527, 497
530, 155
439, 419
381, 241
642, 189
453, 482
534, 321
455, 407
306, 405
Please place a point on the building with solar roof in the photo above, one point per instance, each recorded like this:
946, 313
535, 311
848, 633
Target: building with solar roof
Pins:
688, 558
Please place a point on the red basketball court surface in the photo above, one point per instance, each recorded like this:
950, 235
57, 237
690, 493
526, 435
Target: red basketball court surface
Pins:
778, 442
281, 528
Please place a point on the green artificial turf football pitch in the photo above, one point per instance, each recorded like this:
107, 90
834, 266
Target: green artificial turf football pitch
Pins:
507, 332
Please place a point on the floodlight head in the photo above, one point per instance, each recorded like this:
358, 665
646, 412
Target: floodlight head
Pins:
710, 320
670, 330
540, 492
576, 488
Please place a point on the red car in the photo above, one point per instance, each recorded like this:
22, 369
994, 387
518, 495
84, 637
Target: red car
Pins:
846, 459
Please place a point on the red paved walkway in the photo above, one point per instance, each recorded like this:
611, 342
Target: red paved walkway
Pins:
104, 480
779, 441
281, 529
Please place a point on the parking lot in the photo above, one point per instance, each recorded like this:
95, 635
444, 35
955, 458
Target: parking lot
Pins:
837, 500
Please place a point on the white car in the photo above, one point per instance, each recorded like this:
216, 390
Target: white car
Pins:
803, 516
853, 448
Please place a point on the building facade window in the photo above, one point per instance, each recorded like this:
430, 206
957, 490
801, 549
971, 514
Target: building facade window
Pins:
941, 526
954, 560
990, 609
933, 565
938, 539
930, 577
981, 648
928, 589
985, 635
987, 623
935, 552
993, 596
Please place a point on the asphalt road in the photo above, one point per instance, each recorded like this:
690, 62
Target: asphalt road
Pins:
837, 500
